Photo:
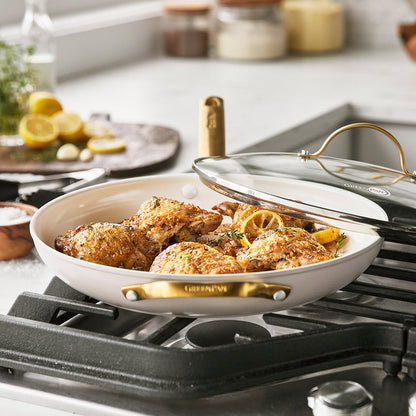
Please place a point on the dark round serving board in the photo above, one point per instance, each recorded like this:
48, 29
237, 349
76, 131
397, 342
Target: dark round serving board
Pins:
148, 147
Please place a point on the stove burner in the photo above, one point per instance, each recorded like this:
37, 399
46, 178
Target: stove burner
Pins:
216, 333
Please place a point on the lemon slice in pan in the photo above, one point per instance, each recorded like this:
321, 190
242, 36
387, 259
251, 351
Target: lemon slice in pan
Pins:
105, 145
327, 236
258, 223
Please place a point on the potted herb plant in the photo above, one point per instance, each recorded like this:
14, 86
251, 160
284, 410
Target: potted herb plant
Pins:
16, 83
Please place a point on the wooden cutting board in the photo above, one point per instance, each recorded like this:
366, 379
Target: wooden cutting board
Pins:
148, 147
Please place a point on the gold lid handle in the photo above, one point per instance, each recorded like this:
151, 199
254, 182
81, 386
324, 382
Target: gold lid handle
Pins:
211, 127
356, 125
164, 289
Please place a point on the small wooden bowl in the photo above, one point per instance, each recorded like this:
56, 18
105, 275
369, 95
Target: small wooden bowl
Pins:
15, 239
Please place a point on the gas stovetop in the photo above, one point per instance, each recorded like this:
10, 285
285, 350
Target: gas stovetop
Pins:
64, 343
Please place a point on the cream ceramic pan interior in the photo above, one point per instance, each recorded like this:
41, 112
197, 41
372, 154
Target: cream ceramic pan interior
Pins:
115, 201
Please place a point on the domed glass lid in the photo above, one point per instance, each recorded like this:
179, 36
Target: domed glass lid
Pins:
257, 178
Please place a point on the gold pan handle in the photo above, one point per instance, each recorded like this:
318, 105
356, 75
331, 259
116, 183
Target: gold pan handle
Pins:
164, 289
356, 125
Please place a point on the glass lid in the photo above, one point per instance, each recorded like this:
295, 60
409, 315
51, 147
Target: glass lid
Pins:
322, 189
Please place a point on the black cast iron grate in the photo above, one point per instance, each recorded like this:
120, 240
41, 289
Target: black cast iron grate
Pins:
62, 333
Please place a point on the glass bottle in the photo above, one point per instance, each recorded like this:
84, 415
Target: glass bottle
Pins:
37, 32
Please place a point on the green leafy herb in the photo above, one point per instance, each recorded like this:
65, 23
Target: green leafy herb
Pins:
340, 241
234, 234
17, 78
155, 202
89, 226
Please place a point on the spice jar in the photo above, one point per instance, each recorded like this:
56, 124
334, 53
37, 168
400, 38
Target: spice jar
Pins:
250, 30
186, 29
314, 25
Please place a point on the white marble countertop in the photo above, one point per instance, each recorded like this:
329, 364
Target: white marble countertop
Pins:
261, 100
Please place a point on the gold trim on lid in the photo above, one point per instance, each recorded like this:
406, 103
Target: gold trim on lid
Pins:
357, 125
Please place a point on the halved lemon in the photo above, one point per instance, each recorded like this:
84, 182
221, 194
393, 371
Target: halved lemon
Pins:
105, 144
71, 126
258, 223
45, 103
327, 235
37, 130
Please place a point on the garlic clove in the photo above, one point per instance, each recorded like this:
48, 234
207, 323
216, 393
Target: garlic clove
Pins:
68, 151
85, 155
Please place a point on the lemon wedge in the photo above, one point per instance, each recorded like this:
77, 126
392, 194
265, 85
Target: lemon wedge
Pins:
258, 223
44, 103
105, 145
71, 126
327, 235
37, 130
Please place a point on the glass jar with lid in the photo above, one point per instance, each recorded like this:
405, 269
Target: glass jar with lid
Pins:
314, 26
250, 30
186, 29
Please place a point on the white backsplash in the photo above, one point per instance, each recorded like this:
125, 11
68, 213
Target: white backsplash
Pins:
373, 23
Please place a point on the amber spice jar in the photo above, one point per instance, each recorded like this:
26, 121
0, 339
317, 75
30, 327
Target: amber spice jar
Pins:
186, 29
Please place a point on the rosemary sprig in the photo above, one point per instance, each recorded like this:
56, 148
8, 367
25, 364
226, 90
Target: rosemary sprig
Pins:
340, 242
234, 234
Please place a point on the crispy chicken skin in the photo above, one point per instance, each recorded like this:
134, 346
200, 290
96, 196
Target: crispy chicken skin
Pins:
223, 239
194, 258
282, 249
165, 219
118, 245
239, 212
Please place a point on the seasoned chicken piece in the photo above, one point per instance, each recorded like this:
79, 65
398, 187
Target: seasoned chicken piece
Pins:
194, 258
239, 212
282, 249
164, 218
223, 239
118, 245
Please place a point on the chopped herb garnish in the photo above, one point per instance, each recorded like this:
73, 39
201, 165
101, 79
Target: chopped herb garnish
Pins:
188, 256
182, 202
89, 226
341, 239
113, 237
234, 234
122, 264
155, 202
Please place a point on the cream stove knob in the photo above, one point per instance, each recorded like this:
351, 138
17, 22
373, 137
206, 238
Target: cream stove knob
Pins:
339, 398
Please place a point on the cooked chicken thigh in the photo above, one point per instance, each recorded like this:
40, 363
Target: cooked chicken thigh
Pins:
284, 248
164, 219
194, 258
118, 245
240, 212
223, 239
